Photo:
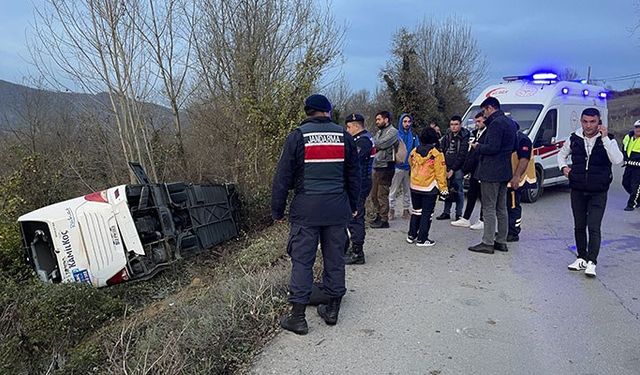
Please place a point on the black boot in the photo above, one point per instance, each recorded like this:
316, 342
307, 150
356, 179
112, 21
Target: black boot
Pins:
295, 321
377, 219
329, 313
355, 255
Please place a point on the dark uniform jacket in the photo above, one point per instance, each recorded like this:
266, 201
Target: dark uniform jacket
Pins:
495, 149
319, 162
366, 154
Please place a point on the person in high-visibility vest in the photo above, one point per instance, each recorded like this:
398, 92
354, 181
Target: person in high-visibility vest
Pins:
631, 177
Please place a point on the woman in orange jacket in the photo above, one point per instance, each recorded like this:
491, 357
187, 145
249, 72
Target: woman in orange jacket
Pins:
428, 179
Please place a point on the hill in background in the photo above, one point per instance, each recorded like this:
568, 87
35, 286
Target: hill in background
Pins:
19, 103
17, 100
624, 110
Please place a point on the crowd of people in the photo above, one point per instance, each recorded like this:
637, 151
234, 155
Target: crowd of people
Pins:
334, 169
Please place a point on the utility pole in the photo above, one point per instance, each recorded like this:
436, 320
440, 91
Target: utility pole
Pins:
589, 75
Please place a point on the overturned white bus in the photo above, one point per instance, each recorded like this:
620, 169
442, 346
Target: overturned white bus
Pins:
127, 232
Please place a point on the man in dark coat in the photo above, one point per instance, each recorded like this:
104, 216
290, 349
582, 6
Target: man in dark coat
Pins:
494, 172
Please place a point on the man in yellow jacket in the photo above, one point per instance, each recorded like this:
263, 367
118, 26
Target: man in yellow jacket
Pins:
631, 177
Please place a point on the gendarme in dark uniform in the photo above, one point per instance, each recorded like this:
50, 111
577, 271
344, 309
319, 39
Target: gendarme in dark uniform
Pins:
366, 153
319, 162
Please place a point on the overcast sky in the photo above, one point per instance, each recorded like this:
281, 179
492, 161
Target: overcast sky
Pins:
516, 37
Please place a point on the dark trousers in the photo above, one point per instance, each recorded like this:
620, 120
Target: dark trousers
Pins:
303, 245
631, 184
356, 225
514, 210
588, 210
456, 181
473, 194
380, 191
421, 212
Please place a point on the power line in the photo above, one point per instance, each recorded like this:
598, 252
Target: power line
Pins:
620, 78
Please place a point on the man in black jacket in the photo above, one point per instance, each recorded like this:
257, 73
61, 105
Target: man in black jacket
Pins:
494, 171
320, 163
455, 145
469, 168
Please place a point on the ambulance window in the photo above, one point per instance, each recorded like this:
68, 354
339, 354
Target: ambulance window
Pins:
548, 129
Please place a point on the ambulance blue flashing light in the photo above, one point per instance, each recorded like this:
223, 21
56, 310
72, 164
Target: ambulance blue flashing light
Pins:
602, 95
565, 90
585, 92
544, 76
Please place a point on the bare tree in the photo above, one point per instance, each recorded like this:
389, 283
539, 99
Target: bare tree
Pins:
257, 59
433, 69
448, 52
94, 45
568, 74
338, 93
167, 30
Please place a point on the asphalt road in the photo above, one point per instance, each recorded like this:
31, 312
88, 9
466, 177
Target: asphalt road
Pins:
445, 310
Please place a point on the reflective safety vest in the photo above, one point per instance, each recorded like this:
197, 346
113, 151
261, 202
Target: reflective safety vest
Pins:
631, 147
324, 153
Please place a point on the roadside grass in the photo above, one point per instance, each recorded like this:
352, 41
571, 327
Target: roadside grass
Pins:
206, 315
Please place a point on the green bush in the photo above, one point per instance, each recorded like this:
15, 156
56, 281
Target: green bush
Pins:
35, 184
39, 322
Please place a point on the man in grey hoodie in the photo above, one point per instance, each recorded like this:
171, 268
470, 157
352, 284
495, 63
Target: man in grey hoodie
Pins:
386, 140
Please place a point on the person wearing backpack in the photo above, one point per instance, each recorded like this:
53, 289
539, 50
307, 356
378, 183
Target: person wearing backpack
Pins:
384, 165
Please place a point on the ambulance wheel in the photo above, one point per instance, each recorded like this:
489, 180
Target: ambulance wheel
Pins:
533, 194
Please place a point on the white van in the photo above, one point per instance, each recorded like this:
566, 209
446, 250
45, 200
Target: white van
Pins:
548, 111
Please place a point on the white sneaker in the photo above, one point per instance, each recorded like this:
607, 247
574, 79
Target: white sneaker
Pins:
462, 222
426, 243
478, 226
411, 239
579, 265
591, 270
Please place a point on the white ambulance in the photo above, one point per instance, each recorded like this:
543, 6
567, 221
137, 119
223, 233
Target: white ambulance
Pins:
548, 111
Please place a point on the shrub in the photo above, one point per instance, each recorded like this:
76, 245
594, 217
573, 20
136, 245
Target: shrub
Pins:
39, 322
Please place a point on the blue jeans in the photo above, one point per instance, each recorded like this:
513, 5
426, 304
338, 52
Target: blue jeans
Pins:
456, 181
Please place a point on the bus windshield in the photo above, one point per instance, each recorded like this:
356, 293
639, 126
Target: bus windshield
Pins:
524, 114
